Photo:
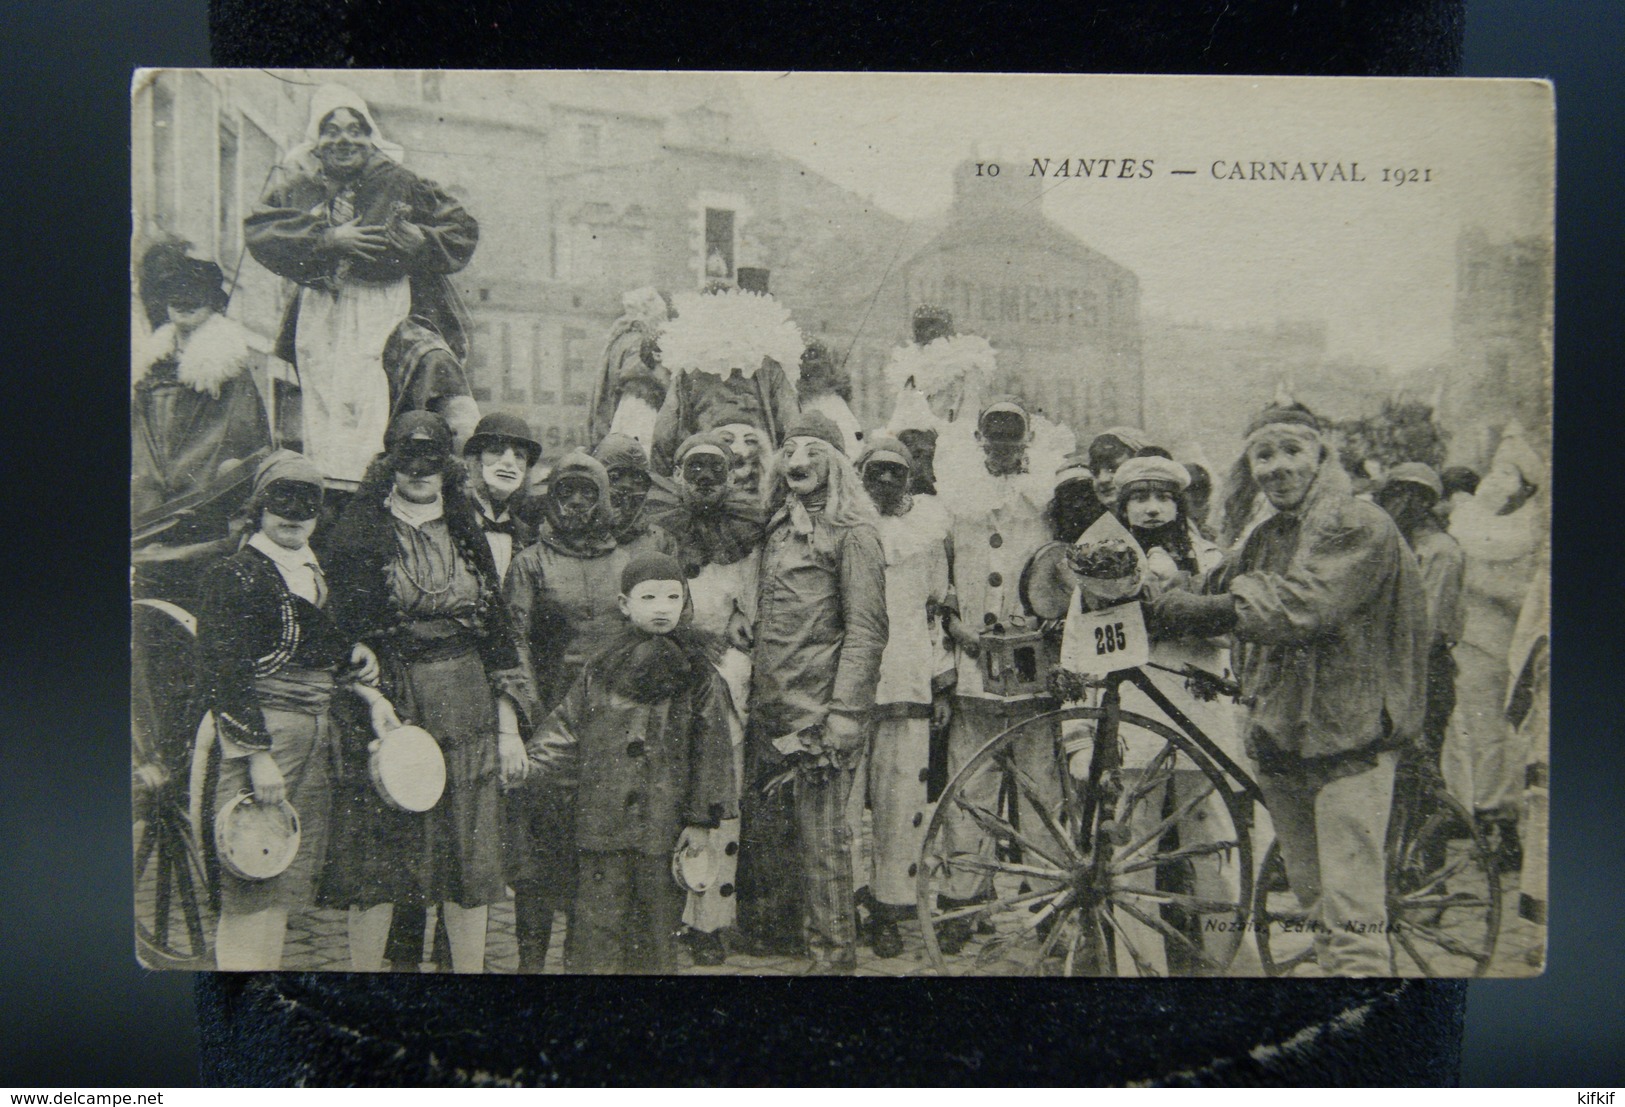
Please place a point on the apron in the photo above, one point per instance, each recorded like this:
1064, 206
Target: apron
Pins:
344, 389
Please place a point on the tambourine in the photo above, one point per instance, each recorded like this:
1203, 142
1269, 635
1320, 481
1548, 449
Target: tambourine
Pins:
405, 763
1048, 582
694, 872
408, 769
256, 841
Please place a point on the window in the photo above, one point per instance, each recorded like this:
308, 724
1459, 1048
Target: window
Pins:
719, 244
512, 392
230, 212
573, 380
163, 152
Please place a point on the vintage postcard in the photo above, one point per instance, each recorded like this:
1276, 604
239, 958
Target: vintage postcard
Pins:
815, 523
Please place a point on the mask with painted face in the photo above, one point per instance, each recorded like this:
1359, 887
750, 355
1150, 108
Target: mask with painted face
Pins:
749, 447
887, 485
805, 461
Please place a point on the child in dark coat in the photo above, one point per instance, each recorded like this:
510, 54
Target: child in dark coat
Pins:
642, 737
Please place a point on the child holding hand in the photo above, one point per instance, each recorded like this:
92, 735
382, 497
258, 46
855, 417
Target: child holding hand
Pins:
642, 738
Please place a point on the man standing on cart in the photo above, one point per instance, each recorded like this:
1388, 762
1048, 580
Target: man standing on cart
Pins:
1330, 624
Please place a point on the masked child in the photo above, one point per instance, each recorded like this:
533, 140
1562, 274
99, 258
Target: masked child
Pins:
642, 738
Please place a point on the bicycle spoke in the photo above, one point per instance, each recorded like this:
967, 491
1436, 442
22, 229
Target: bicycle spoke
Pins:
1199, 850
1156, 922
1062, 917
1441, 903
1141, 965
977, 863
997, 905
1421, 962
1441, 939
188, 893
144, 848
1002, 830
1180, 899
1029, 789
1441, 876
1156, 832
1157, 773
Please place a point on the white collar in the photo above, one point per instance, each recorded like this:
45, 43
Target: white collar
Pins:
302, 558
416, 515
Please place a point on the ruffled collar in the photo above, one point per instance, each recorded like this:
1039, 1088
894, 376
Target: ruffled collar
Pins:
216, 352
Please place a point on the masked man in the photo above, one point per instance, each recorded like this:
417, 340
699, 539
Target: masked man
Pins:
820, 630
916, 675
750, 448
629, 482
996, 503
1330, 626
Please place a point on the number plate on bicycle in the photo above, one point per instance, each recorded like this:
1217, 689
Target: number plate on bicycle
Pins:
1104, 641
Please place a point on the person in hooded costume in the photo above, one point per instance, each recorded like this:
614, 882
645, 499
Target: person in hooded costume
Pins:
627, 465
1329, 623
717, 530
412, 577
726, 351
375, 328
995, 500
820, 630
563, 593
632, 385
195, 412
916, 677
1500, 528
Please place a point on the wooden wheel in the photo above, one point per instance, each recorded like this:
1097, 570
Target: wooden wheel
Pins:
1444, 894
171, 886
1046, 857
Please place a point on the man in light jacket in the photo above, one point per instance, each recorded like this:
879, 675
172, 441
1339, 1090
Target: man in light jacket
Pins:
1330, 623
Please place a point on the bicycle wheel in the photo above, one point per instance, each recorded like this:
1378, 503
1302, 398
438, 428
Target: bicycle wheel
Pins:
1060, 862
171, 888
1444, 891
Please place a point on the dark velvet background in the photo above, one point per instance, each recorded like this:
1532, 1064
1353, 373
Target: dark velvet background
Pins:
77, 1011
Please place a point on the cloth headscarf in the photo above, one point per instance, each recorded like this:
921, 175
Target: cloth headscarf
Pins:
328, 99
282, 465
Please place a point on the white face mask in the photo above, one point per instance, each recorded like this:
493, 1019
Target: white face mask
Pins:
503, 471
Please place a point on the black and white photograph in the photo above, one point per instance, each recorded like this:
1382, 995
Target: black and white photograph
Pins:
779, 524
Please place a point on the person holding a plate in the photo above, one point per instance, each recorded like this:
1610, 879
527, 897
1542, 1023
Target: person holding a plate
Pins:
413, 576
269, 654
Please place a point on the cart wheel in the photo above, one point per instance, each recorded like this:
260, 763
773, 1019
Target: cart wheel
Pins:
1046, 858
171, 890
1444, 896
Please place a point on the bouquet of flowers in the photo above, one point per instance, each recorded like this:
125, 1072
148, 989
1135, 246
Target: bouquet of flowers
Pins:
1109, 570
